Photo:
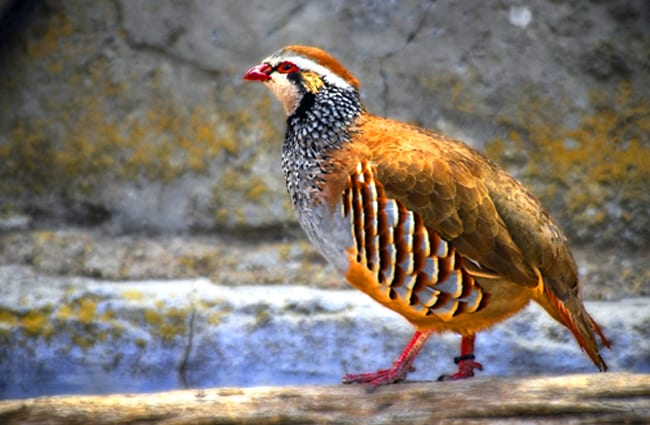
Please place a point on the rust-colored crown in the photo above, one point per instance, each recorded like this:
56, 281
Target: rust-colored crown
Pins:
323, 58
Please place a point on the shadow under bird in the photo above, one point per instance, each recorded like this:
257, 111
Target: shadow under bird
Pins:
422, 223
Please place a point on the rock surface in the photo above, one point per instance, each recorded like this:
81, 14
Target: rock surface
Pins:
264, 258
134, 114
80, 335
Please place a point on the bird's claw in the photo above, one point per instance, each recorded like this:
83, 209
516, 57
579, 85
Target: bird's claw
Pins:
465, 370
395, 374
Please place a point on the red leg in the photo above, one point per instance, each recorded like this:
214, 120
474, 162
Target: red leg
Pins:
466, 363
401, 367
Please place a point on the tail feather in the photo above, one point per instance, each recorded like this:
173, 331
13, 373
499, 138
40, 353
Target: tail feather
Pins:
601, 335
574, 316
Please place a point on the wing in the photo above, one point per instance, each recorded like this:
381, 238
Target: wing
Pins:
444, 182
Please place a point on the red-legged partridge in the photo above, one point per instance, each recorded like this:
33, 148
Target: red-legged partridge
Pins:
422, 223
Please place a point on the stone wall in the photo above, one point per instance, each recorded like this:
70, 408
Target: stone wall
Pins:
133, 114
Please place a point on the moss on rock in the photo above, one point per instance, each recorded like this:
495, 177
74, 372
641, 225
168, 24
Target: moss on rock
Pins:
593, 175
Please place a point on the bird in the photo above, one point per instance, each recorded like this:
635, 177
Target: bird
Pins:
423, 223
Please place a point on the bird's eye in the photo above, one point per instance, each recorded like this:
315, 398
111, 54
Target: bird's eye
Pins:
287, 67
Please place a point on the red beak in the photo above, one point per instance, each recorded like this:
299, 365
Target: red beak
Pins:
259, 73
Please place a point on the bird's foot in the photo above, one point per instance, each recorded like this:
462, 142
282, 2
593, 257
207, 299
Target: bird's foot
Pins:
401, 367
395, 374
466, 366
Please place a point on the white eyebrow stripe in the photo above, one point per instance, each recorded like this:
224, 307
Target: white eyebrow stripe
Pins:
309, 65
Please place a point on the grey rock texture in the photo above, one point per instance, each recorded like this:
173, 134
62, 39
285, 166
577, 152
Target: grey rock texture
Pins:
78, 335
133, 113
261, 258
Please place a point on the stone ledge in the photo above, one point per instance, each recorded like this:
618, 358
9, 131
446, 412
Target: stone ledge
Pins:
64, 335
571, 399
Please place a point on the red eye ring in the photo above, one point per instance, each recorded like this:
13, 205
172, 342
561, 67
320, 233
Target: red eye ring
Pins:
287, 68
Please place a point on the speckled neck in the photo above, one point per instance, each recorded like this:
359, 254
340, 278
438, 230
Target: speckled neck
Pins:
320, 125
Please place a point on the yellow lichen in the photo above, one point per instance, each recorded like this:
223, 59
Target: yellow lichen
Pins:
82, 341
132, 295
35, 323
7, 317
153, 317
215, 318
92, 145
47, 41
170, 323
283, 252
86, 310
65, 312
607, 147
116, 330
86, 141
108, 315
256, 188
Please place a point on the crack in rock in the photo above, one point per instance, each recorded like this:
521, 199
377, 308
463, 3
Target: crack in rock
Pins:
413, 34
410, 37
174, 35
187, 351
283, 21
